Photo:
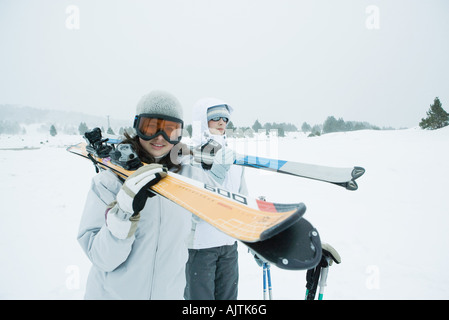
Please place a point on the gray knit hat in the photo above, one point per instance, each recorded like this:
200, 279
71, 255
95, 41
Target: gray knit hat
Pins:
160, 102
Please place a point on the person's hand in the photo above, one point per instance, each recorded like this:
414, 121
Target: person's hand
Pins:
134, 192
124, 213
205, 153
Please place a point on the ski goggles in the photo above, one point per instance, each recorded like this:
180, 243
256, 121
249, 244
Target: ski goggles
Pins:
149, 126
218, 119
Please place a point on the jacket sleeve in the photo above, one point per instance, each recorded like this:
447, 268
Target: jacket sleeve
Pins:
104, 250
193, 170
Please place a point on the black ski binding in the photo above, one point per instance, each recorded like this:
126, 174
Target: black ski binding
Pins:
96, 144
123, 155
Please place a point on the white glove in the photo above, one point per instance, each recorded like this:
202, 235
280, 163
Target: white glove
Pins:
223, 160
205, 153
123, 216
134, 192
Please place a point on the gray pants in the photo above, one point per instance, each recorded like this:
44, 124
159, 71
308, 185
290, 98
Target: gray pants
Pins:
212, 274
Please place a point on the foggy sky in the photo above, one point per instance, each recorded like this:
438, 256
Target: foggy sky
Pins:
283, 60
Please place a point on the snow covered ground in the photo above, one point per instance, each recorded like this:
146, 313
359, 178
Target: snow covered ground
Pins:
392, 233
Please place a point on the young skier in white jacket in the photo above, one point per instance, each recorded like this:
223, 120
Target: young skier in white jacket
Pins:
135, 240
212, 268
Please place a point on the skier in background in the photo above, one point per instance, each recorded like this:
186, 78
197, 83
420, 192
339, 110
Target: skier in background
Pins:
136, 239
212, 268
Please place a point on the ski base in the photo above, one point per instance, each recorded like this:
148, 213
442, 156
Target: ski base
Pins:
296, 248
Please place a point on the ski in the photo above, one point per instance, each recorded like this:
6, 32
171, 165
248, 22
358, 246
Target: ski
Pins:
344, 177
244, 218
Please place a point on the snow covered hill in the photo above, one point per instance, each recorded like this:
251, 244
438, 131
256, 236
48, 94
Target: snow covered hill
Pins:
392, 233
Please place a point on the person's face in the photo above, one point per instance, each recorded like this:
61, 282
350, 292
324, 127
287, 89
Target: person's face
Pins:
217, 127
157, 146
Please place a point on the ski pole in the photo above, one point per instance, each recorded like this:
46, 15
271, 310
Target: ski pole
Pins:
270, 291
312, 278
267, 276
323, 281
318, 276
264, 281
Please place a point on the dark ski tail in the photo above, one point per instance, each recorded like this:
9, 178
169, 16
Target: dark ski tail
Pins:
296, 248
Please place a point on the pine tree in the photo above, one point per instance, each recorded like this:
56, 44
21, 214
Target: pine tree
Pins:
230, 126
437, 117
82, 128
306, 127
189, 128
53, 131
331, 125
256, 126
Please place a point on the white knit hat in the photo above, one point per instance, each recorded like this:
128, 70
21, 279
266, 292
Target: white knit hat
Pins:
160, 102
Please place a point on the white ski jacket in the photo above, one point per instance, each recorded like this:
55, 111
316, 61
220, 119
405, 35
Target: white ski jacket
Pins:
203, 235
148, 265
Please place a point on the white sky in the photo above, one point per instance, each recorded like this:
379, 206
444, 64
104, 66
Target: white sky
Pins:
272, 60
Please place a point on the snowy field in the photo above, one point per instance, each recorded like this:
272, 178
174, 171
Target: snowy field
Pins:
392, 233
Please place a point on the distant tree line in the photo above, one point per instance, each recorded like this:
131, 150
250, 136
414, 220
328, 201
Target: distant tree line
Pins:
82, 128
10, 127
330, 125
436, 118
333, 125
241, 132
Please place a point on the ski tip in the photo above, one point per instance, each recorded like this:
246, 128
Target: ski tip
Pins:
71, 147
357, 172
351, 185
